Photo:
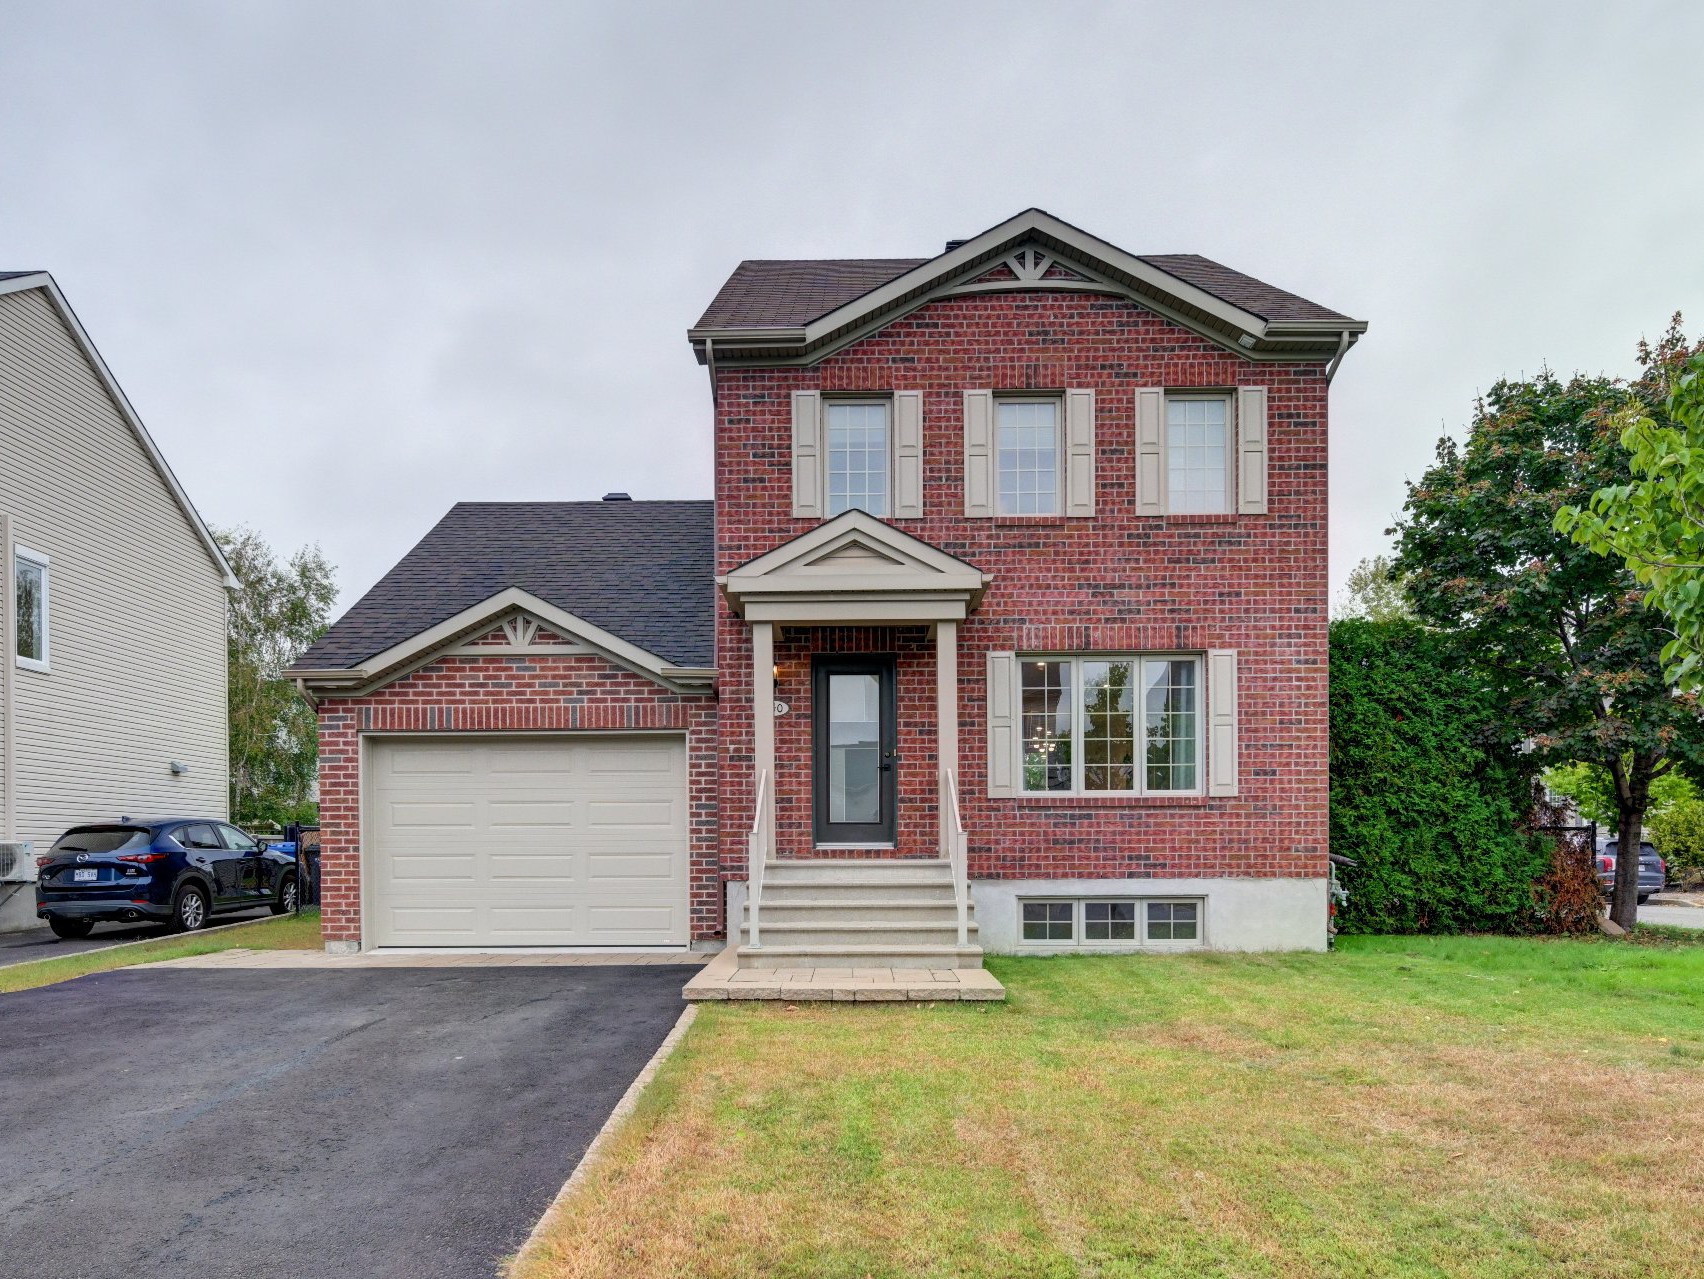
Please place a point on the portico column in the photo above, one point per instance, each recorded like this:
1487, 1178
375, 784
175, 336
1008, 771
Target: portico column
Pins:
763, 704
946, 695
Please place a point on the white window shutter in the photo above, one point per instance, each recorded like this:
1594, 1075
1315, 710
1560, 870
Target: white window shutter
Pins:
908, 455
1150, 451
1251, 450
1222, 722
978, 453
807, 455
1002, 725
1079, 453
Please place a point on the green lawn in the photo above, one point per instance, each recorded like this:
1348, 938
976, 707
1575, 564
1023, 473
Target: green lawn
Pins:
1405, 1106
287, 932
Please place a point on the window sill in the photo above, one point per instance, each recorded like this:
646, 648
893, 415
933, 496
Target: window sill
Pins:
30, 664
1215, 517
1062, 800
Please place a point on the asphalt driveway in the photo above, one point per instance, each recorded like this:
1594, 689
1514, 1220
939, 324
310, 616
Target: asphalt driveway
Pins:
378, 1122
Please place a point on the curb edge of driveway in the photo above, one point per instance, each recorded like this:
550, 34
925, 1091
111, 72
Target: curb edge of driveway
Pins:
594, 1152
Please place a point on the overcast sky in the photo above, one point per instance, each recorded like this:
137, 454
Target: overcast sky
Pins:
355, 262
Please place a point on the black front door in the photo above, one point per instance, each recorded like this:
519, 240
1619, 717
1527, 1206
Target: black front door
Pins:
853, 758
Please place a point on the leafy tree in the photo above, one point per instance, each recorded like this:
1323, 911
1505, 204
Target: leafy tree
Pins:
1591, 787
1428, 792
1375, 592
1654, 521
276, 611
1557, 631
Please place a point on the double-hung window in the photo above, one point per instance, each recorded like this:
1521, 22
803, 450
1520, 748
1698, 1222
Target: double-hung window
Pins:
30, 576
1124, 725
858, 438
1026, 447
1198, 454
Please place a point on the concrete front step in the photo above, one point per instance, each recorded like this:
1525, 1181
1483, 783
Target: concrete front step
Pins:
859, 895
771, 955
844, 932
903, 908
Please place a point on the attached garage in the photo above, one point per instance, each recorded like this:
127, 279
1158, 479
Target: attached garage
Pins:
551, 839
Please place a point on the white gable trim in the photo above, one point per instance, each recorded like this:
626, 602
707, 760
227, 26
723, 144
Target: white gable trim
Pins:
43, 281
855, 568
444, 637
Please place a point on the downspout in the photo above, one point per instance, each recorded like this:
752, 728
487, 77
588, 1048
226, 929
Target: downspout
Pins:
1342, 350
716, 631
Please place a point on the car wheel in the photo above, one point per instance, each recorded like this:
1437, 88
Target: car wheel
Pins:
71, 929
286, 903
189, 911
1643, 898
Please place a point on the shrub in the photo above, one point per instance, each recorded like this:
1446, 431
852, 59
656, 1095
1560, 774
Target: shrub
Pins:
1428, 794
1678, 832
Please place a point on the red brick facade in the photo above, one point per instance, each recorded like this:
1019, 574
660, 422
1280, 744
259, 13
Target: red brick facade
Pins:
1112, 583
501, 695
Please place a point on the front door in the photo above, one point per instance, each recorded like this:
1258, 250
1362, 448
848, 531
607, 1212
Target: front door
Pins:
853, 756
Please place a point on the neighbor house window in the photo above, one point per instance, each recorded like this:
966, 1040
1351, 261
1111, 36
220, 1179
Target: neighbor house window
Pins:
1097, 923
858, 439
30, 571
1198, 474
1125, 725
1026, 445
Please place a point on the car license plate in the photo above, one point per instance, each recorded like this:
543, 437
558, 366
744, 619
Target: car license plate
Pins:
85, 876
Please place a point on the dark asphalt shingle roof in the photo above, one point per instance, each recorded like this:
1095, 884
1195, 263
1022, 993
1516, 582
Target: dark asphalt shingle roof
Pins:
12, 275
643, 571
783, 293
788, 293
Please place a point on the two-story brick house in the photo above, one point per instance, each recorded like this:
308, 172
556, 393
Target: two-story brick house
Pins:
1006, 631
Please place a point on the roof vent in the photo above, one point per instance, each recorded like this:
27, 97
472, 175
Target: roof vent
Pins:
956, 244
618, 497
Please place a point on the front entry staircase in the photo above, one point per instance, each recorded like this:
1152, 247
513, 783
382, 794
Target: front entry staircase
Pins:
848, 913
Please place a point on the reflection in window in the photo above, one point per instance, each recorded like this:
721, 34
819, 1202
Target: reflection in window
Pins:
1170, 724
1109, 726
1047, 727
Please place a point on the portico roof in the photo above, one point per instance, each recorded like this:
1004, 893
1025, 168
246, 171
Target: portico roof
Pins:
854, 570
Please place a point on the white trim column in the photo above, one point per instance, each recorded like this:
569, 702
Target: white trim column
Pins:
946, 696
763, 706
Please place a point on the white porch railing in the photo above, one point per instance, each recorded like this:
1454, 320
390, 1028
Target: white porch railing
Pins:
759, 845
954, 851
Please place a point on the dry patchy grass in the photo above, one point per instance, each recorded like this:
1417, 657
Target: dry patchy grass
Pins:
1472, 1107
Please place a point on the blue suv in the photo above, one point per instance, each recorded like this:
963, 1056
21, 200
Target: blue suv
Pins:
180, 870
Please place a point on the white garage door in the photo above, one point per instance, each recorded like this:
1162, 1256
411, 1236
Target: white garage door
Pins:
527, 841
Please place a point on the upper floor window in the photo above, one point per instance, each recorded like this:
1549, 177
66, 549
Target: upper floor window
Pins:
859, 451
30, 574
1026, 447
1120, 724
1198, 468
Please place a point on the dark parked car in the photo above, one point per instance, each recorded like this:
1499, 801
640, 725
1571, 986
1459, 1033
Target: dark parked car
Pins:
181, 870
1653, 871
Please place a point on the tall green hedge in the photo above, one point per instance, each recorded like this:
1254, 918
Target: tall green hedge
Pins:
1426, 792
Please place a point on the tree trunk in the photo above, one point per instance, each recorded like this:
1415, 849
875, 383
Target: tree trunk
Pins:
1631, 801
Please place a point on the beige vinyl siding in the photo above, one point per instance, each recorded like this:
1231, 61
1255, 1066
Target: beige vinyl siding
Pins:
136, 605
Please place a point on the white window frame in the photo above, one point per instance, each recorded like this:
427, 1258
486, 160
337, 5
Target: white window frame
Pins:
1079, 921
1229, 400
1139, 769
1059, 460
37, 558
826, 453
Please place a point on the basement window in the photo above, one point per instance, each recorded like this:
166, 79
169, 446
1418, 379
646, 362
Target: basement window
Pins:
1110, 923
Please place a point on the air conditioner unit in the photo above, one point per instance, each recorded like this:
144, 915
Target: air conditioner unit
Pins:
17, 862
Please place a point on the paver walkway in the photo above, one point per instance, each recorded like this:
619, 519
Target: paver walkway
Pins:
723, 978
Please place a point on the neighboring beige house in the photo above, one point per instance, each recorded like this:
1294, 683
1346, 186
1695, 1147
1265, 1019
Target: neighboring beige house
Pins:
114, 601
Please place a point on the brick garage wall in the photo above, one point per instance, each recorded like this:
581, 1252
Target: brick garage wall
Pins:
508, 695
1116, 582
